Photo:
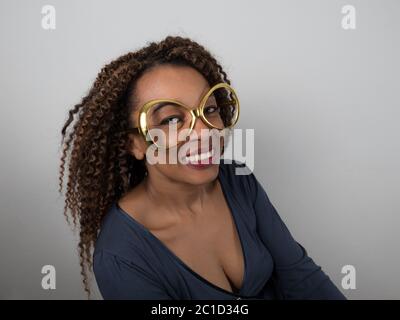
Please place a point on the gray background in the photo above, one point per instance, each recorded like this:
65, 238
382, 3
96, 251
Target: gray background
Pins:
324, 103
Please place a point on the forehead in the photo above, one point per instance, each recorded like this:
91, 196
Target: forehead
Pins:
172, 82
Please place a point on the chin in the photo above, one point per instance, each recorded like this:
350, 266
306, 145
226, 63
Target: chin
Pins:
199, 175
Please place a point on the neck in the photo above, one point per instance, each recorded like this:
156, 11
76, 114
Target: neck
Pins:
176, 196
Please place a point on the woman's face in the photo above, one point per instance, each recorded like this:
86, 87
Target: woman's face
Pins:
186, 85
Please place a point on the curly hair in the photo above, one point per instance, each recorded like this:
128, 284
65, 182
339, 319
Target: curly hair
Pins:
95, 154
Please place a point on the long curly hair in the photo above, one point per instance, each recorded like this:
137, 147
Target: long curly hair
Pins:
95, 139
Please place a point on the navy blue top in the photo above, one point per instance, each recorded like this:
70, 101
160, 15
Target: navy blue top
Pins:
130, 262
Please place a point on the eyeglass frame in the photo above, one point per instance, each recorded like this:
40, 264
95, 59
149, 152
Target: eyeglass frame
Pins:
196, 113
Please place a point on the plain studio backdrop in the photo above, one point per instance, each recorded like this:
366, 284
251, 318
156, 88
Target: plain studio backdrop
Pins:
323, 101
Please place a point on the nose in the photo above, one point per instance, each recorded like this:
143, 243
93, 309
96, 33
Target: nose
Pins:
199, 132
199, 126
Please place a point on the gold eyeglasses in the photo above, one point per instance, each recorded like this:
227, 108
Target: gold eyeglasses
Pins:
160, 119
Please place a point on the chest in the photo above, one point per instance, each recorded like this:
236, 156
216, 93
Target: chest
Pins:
210, 246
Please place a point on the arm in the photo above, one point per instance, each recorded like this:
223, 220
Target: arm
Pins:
120, 279
296, 274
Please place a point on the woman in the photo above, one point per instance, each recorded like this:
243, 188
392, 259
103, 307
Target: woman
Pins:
174, 230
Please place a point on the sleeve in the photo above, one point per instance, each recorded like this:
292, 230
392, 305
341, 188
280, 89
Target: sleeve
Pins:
295, 274
120, 279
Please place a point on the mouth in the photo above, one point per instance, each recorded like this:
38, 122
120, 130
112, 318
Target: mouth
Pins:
201, 154
203, 158
199, 159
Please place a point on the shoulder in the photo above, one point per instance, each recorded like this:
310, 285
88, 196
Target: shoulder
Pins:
118, 235
238, 175
125, 264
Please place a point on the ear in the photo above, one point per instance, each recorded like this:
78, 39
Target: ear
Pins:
137, 147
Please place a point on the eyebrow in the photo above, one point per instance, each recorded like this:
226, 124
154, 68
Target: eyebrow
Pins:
160, 105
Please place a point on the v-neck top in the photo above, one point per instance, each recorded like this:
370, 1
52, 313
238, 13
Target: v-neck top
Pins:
130, 262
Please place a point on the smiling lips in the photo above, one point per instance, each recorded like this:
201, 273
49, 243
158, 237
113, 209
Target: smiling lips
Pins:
198, 158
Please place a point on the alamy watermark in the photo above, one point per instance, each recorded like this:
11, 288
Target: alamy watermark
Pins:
184, 152
49, 278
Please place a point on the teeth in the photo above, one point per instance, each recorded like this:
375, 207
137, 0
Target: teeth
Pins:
200, 157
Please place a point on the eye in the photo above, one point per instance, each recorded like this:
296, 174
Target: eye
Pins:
170, 120
211, 109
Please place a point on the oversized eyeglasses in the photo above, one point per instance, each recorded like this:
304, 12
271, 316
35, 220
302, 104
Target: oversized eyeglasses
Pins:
219, 109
